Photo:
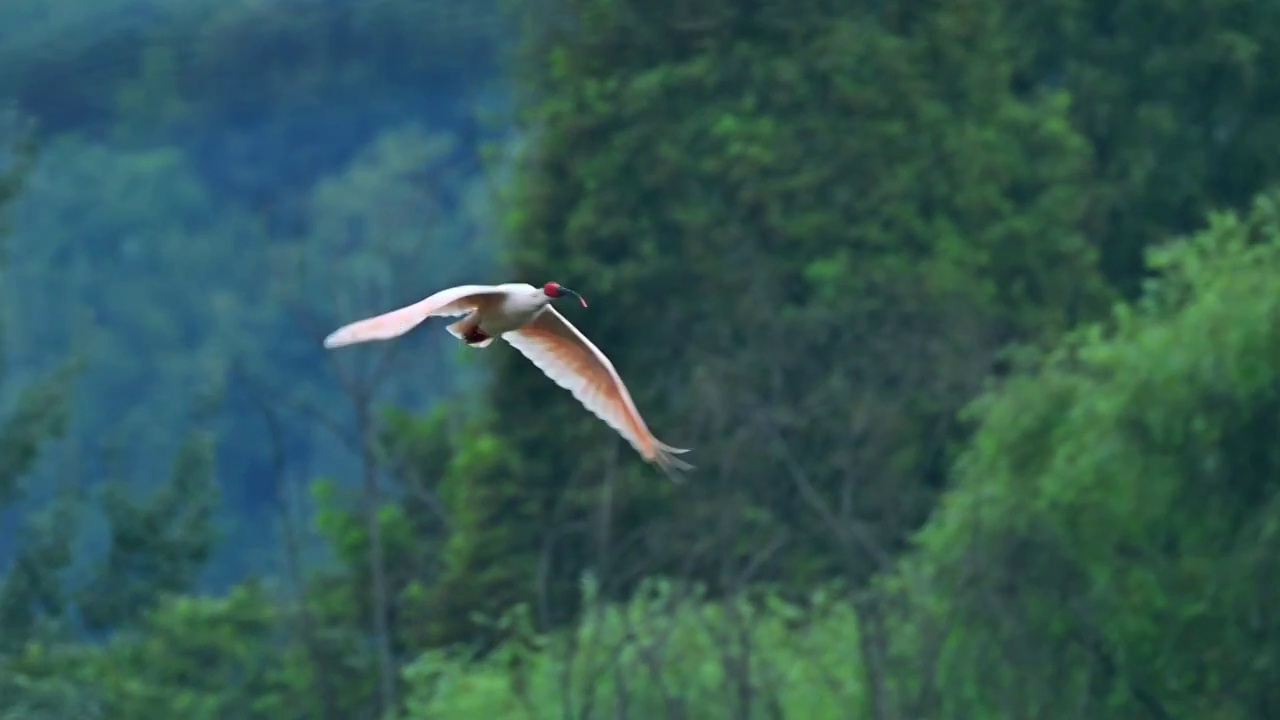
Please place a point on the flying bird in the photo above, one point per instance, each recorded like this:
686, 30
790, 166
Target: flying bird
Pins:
523, 315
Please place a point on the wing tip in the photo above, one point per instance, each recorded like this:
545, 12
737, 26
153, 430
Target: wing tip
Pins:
338, 338
665, 458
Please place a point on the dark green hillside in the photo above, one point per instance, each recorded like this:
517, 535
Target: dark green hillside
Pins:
969, 311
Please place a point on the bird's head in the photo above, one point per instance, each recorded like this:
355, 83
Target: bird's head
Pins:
555, 290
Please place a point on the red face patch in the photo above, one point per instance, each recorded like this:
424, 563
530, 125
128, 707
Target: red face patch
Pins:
551, 289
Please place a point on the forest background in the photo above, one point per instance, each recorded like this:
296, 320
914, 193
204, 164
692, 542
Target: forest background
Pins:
970, 311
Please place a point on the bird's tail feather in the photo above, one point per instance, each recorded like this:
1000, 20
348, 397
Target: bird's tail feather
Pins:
665, 458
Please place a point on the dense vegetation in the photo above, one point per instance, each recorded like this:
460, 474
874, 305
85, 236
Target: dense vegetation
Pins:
969, 310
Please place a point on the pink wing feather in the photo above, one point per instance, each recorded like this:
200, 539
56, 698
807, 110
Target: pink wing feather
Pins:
566, 356
458, 300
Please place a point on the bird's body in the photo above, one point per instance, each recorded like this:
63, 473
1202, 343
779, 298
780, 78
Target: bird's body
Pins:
513, 308
522, 315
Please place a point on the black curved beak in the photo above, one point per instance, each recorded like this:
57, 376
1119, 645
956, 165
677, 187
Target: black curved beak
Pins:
574, 293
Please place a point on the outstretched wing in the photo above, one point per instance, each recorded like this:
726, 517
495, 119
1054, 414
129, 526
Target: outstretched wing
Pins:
458, 300
566, 356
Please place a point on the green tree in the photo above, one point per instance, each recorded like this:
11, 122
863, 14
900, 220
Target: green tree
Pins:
189, 656
157, 546
123, 258
205, 657
386, 215
1107, 549
668, 652
154, 547
1177, 101
32, 593
807, 229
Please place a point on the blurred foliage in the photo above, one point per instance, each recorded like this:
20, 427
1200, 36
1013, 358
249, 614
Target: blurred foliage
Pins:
967, 309
794, 213
193, 238
666, 653
1176, 101
1108, 547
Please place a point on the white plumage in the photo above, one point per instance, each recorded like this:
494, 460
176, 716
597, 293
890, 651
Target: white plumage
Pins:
522, 315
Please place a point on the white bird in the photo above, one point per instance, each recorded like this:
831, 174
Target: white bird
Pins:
522, 315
